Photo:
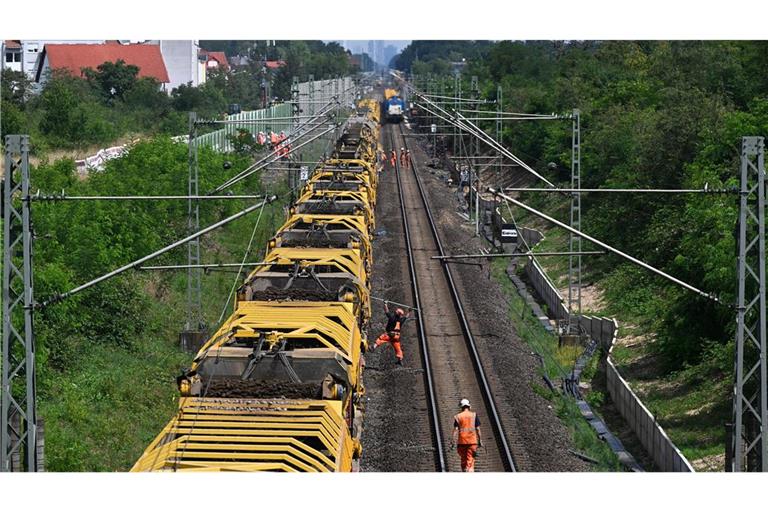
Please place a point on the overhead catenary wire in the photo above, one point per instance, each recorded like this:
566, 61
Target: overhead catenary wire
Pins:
242, 264
301, 131
609, 248
260, 165
705, 190
473, 129
64, 197
205, 266
137, 263
519, 114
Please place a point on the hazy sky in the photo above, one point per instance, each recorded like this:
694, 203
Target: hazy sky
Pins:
358, 46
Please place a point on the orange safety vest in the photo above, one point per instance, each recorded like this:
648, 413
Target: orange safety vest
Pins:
467, 431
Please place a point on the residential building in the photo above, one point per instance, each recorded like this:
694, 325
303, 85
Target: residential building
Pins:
77, 57
24, 55
215, 60
184, 62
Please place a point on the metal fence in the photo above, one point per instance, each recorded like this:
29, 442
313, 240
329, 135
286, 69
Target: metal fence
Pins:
257, 121
312, 97
665, 454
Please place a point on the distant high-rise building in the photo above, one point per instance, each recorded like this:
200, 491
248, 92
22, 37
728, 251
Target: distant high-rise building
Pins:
389, 52
371, 54
379, 52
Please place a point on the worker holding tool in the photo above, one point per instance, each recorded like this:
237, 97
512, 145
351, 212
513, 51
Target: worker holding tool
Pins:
466, 436
395, 323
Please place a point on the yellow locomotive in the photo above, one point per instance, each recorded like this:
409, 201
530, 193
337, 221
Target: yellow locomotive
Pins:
279, 386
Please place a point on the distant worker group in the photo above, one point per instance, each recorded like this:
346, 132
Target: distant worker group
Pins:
278, 143
404, 158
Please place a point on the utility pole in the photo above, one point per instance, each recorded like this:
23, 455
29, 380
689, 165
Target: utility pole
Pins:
749, 439
574, 261
457, 97
296, 112
19, 434
474, 149
312, 94
499, 131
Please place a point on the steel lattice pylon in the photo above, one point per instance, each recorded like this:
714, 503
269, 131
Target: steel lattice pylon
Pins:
749, 442
574, 261
194, 275
293, 173
18, 438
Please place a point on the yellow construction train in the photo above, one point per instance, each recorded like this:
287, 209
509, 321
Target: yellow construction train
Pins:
279, 386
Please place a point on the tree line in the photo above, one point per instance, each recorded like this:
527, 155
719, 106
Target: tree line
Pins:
113, 101
655, 114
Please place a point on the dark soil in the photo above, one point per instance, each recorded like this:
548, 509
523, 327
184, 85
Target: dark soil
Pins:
238, 388
273, 293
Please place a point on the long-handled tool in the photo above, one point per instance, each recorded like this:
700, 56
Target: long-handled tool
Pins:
395, 303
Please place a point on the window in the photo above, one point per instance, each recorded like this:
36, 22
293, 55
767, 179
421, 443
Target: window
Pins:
8, 57
33, 48
12, 57
17, 57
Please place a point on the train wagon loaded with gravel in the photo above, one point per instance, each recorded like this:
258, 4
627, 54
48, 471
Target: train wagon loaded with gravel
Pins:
279, 386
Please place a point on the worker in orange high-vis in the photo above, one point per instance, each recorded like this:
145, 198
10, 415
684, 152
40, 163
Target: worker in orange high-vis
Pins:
393, 158
466, 435
407, 158
402, 157
391, 335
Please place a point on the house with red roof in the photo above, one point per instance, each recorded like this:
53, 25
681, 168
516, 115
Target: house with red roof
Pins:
215, 60
77, 57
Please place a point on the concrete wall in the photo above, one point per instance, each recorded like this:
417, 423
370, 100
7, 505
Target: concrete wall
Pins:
665, 454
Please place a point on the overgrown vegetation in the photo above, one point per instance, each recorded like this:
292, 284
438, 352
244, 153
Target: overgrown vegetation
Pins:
107, 357
655, 114
557, 363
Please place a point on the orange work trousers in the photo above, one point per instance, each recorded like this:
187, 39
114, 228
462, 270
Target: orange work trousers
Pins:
467, 453
394, 340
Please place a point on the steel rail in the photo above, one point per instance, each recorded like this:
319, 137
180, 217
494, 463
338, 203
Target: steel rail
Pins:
506, 453
442, 466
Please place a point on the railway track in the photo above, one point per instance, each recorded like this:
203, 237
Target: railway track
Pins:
452, 366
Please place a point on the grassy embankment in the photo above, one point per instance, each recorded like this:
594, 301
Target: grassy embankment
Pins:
691, 404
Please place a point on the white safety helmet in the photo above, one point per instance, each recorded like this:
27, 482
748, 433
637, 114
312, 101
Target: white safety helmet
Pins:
464, 402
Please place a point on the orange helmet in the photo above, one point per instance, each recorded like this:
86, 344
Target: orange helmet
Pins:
400, 312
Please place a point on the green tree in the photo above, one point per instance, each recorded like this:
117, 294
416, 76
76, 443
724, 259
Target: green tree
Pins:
113, 79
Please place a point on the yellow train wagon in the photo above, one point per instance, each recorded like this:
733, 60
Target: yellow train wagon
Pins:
336, 202
312, 273
277, 388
